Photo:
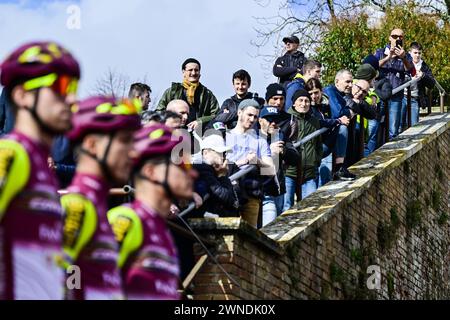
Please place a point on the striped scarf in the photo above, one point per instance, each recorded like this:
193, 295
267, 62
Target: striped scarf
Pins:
190, 90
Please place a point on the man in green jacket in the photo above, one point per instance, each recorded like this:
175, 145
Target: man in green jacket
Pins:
203, 105
311, 151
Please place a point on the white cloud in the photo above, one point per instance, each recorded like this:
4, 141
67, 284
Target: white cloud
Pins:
152, 38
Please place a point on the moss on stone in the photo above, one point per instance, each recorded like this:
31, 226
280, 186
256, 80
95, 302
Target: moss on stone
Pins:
337, 274
387, 232
390, 285
345, 230
439, 172
357, 256
435, 199
325, 291
395, 220
413, 214
443, 218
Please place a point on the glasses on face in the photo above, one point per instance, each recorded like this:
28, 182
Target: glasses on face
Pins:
365, 92
61, 84
396, 36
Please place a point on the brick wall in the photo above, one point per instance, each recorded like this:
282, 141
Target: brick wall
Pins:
394, 217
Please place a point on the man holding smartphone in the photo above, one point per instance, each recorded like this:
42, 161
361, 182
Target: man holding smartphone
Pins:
395, 63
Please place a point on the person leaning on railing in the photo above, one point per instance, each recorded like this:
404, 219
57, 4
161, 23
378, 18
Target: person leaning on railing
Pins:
335, 139
311, 151
213, 179
248, 148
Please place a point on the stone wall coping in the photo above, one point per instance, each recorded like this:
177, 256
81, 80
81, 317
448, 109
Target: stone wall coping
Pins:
236, 225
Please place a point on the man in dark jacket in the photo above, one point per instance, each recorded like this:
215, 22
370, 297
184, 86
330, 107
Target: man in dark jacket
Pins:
276, 97
203, 105
418, 97
283, 154
228, 112
394, 64
287, 66
311, 151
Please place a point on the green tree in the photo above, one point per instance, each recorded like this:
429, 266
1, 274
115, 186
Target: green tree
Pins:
349, 39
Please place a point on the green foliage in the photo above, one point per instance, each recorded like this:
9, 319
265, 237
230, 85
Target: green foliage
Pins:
349, 39
387, 232
413, 214
390, 285
435, 199
336, 273
345, 230
443, 218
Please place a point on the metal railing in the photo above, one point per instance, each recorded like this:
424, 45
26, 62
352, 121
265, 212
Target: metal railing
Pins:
407, 86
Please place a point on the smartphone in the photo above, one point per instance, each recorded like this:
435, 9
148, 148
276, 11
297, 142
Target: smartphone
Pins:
399, 43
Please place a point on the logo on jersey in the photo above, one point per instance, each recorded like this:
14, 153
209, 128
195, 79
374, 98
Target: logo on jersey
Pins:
75, 211
120, 228
6, 159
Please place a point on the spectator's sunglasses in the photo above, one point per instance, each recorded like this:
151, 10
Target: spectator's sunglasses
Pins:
63, 85
396, 36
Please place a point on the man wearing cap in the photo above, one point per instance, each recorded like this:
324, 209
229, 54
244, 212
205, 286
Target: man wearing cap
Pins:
203, 105
291, 63
213, 173
283, 153
248, 148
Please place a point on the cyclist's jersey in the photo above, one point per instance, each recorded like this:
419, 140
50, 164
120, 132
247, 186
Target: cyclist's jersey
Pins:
148, 257
89, 241
30, 222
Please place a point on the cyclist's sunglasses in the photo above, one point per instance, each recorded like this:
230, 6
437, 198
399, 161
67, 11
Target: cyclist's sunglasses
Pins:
63, 85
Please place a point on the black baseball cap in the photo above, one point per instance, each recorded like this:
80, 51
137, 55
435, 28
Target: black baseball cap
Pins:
292, 39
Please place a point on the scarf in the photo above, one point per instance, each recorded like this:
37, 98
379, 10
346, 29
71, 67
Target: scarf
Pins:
190, 90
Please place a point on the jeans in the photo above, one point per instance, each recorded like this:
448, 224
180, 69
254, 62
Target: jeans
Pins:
372, 142
308, 187
414, 112
325, 169
336, 142
395, 111
291, 87
272, 208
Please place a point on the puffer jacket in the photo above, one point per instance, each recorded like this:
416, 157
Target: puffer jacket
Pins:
312, 150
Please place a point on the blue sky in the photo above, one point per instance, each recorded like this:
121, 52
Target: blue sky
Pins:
146, 38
